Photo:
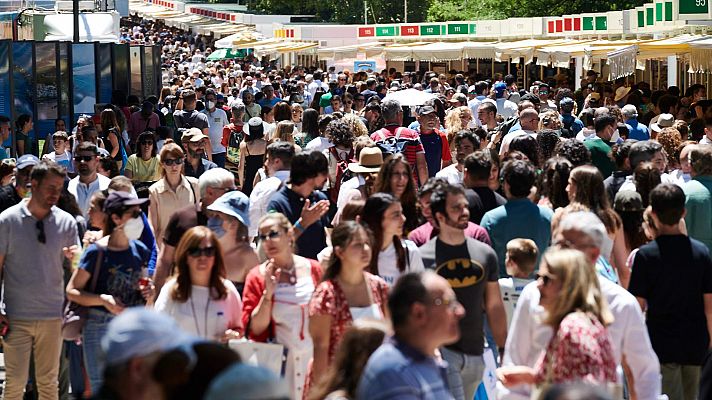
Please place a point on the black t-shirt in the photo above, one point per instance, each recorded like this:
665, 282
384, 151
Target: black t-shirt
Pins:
290, 203
468, 275
8, 197
182, 220
481, 200
672, 273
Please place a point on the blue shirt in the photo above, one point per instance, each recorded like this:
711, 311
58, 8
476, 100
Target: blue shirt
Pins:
398, 371
290, 203
519, 218
636, 130
270, 103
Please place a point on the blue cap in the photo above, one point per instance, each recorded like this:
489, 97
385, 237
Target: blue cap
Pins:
235, 204
28, 160
247, 382
499, 88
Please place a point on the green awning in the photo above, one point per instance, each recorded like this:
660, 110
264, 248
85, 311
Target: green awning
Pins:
224, 54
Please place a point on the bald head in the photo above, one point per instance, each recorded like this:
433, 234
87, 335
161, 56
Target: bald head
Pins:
529, 119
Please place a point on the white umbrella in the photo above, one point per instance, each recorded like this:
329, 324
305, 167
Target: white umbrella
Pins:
410, 97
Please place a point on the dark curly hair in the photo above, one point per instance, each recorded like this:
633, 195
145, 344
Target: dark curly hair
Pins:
547, 140
553, 180
339, 133
574, 151
527, 145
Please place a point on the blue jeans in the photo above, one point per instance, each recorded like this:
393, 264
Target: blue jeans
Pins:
220, 159
464, 373
94, 329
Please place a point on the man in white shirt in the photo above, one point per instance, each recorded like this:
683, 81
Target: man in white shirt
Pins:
507, 109
278, 162
317, 83
529, 120
707, 139
629, 335
480, 91
647, 150
88, 182
217, 119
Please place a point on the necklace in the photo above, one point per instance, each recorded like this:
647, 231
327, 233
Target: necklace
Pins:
291, 273
195, 317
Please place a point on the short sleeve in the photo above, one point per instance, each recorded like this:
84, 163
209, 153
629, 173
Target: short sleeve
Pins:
447, 155
323, 300
234, 307
163, 302
172, 234
131, 163
88, 260
492, 266
638, 285
4, 234
414, 258
706, 262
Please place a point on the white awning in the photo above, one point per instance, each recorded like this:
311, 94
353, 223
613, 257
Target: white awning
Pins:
622, 62
351, 51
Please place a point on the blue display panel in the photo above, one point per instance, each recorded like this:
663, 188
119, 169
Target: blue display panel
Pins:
84, 78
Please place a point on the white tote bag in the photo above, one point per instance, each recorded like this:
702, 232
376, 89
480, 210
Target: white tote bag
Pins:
267, 355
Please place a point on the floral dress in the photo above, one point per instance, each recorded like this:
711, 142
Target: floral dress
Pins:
581, 351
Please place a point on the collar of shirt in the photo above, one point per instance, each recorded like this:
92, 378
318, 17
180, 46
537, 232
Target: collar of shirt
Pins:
162, 185
408, 350
282, 175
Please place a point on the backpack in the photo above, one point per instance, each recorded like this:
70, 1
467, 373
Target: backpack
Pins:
394, 144
231, 139
342, 167
566, 131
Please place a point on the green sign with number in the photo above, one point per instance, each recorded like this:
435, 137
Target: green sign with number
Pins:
457, 29
601, 23
429, 30
385, 31
587, 23
693, 6
473, 29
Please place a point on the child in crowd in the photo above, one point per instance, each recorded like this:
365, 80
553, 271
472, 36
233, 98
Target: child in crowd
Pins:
61, 154
520, 262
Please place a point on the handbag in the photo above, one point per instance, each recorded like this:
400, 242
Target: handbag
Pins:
268, 355
75, 315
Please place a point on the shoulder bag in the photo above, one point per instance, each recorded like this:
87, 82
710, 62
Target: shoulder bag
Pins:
75, 315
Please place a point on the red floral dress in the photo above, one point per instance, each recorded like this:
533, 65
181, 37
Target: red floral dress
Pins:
581, 350
329, 299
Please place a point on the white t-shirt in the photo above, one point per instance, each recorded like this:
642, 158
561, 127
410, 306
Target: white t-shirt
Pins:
388, 266
451, 174
191, 316
510, 289
216, 122
64, 160
319, 143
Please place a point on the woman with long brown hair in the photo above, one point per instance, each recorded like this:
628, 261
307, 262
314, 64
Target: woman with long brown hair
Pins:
199, 297
172, 192
396, 178
587, 193
391, 256
111, 135
347, 293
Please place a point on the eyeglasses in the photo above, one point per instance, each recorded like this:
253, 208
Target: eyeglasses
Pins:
202, 251
146, 142
271, 235
451, 303
83, 158
545, 278
177, 161
41, 237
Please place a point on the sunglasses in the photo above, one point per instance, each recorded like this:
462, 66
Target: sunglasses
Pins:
9, 161
145, 142
545, 278
271, 235
177, 161
41, 237
202, 251
83, 158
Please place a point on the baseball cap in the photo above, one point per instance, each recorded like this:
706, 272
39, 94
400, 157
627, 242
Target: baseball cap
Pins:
499, 88
138, 332
121, 200
235, 204
193, 135
28, 160
424, 110
459, 98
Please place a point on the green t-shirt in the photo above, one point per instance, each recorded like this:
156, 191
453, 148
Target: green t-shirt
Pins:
28, 142
144, 171
599, 155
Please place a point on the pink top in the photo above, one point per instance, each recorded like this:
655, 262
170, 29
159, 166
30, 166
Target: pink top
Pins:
423, 233
580, 351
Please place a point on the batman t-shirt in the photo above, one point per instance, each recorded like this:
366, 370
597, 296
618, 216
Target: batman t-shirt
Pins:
468, 275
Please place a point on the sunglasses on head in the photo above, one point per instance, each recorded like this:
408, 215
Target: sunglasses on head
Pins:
177, 161
83, 158
202, 251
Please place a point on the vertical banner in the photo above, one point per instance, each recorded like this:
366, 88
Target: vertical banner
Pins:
47, 87
103, 70
83, 78
148, 74
5, 94
120, 66
23, 80
65, 98
135, 68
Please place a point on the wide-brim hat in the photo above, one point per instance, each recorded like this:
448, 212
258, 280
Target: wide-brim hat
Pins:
664, 121
621, 92
235, 204
369, 160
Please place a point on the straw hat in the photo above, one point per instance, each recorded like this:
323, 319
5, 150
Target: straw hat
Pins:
621, 92
369, 160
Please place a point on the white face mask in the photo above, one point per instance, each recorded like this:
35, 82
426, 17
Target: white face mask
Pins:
211, 105
133, 228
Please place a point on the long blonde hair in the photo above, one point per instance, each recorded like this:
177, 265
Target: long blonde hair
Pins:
453, 121
580, 290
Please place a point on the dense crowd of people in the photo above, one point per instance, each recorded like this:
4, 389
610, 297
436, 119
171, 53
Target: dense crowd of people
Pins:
383, 249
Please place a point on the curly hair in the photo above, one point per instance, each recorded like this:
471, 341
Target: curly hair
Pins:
670, 138
356, 126
574, 151
339, 133
547, 140
550, 119
646, 177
